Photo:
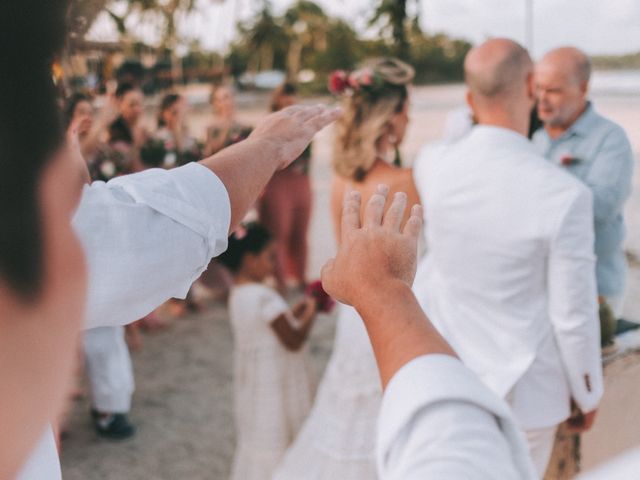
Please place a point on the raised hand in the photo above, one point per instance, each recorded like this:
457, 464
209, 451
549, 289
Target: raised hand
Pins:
290, 130
376, 252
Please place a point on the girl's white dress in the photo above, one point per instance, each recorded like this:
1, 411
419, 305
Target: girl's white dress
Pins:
337, 441
273, 387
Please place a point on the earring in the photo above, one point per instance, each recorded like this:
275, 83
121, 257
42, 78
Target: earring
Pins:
393, 140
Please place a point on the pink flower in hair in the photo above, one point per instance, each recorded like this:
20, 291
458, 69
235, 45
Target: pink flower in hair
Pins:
338, 82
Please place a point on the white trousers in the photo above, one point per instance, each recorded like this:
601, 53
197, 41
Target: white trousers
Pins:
109, 369
540, 447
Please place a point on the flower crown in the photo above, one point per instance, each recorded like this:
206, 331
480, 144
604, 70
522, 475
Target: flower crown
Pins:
364, 80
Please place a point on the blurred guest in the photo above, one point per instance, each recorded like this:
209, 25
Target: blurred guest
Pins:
79, 113
107, 358
593, 149
225, 130
126, 134
285, 207
171, 140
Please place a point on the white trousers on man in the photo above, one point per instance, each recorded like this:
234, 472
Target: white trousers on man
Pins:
541, 443
109, 369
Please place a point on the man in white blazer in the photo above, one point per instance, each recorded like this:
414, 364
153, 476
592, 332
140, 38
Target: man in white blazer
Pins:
509, 278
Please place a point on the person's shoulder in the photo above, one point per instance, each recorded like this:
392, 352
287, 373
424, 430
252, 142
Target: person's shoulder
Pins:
539, 169
429, 154
607, 126
251, 294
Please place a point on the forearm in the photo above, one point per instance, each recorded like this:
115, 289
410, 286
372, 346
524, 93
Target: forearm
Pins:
245, 169
398, 328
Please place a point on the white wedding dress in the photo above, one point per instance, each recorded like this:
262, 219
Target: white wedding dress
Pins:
337, 441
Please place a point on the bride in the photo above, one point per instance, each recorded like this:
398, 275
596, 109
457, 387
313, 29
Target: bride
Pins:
338, 438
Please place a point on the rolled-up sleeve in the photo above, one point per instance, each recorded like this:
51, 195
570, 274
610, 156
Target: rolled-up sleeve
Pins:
147, 237
439, 421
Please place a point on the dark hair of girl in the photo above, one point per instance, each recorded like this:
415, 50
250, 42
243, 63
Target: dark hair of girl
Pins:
70, 107
251, 238
167, 102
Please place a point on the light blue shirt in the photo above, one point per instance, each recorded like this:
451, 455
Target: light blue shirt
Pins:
601, 156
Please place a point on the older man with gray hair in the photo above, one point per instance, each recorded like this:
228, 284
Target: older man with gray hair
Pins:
509, 279
593, 149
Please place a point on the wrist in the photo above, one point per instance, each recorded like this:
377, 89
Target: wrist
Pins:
375, 296
269, 149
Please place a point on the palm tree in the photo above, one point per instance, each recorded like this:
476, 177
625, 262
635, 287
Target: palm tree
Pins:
262, 37
307, 26
394, 16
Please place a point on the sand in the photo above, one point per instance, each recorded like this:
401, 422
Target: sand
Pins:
182, 405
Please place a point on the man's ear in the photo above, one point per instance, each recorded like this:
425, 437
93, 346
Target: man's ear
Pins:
531, 86
584, 87
472, 106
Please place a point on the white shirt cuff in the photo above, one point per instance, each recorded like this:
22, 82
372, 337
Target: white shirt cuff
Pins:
431, 379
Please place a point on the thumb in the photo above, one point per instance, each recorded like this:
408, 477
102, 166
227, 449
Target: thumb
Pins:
326, 273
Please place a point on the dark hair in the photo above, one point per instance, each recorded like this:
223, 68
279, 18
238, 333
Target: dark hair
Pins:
124, 88
251, 238
287, 89
70, 107
167, 102
31, 37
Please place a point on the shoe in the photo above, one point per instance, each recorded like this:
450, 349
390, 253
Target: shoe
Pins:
114, 426
623, 326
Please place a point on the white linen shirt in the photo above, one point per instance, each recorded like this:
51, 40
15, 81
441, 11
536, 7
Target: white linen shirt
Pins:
438, 421
147, 237
509, 277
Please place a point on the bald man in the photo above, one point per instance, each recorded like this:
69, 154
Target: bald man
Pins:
509, 279
593, 149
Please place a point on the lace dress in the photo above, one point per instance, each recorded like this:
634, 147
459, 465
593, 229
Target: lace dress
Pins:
337, 441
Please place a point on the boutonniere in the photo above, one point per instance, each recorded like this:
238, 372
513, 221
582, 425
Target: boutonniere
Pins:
568, 161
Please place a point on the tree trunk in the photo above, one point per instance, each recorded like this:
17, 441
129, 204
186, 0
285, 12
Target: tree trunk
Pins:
82, 14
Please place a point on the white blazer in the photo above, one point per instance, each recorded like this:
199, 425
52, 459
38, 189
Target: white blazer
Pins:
509, 277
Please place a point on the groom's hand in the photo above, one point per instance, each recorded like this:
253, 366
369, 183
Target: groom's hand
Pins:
376, 253
290, 130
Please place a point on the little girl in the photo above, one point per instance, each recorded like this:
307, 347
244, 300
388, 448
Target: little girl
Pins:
273, 381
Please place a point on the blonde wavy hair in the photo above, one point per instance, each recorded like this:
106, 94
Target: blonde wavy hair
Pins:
367, 113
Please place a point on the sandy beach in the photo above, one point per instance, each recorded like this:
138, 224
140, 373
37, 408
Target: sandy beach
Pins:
182, 405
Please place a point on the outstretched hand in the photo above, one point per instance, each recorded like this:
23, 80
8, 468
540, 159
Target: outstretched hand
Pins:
373, 252
290, 130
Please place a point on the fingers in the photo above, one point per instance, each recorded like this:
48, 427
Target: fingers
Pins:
329, 115
292, 110
395, 213
413, 227
375, 207
308, 112
351, 212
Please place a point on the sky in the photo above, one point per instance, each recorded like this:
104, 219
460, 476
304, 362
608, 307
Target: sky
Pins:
596, 26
